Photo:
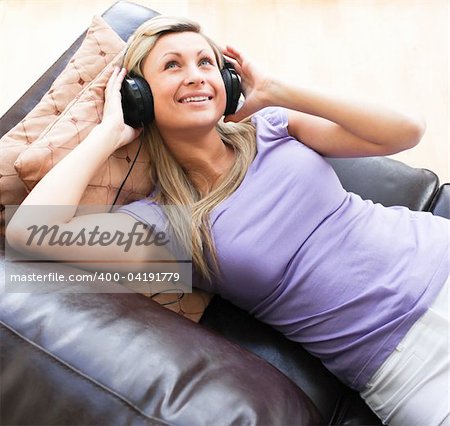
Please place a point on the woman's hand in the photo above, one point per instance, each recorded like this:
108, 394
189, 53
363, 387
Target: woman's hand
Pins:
121, 133
255, 85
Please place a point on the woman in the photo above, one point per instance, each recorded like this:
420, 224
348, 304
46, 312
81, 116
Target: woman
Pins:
272, 228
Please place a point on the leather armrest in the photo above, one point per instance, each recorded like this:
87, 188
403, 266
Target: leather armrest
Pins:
441, 203
104, 358
387, 181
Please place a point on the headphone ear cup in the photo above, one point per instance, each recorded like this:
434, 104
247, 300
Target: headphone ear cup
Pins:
137, 102
232, 87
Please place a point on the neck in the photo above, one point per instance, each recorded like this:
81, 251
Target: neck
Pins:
204, 157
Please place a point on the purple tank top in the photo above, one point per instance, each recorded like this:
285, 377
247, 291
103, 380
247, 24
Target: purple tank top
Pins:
343, 276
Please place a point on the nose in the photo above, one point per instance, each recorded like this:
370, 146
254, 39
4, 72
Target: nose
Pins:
194, 75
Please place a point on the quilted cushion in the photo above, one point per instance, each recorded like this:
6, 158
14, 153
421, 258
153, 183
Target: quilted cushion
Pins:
98, 48
70, 129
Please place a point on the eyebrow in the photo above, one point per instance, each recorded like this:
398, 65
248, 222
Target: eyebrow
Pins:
179, 54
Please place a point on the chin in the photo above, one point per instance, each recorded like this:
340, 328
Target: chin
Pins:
197, 124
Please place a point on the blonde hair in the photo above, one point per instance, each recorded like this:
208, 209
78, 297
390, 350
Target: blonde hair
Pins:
174, 184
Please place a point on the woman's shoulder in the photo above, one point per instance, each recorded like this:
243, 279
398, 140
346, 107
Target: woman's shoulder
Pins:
273, 114
144, 209
271, 120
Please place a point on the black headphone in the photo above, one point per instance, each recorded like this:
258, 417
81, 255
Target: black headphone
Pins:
137, 98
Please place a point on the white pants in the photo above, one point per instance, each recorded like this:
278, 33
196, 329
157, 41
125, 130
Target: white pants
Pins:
411, 388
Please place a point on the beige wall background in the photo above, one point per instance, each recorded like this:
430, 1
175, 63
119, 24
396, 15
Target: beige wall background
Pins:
394, 52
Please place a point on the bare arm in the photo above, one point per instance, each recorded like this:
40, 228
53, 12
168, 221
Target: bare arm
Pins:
338, 127
66, 182
99, 242
331, 125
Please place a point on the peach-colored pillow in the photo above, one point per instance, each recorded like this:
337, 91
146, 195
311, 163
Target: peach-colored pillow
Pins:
70, 129
98, 48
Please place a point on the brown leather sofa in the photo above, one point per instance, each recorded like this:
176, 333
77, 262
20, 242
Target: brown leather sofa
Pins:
122, 359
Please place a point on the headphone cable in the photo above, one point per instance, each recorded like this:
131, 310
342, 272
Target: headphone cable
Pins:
129, 170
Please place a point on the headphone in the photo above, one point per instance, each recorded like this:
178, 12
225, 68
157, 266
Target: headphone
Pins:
137, 98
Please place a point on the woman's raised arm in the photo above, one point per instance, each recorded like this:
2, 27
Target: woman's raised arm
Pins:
44, 224
331, 125
66, 182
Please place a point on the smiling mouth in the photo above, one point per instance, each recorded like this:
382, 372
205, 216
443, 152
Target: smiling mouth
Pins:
195, 99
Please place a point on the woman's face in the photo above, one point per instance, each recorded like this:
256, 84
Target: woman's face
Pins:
187, 87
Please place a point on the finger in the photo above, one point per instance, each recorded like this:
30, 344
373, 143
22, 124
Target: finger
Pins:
121, 75
235, 64
230, 59
114, 84
232, 50
117, 83
114, 72
112, 78
234, 53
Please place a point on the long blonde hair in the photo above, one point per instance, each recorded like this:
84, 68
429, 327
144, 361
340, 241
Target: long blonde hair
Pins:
175, 187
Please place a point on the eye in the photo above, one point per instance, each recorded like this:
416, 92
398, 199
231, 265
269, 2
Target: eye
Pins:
171, 65
206, 60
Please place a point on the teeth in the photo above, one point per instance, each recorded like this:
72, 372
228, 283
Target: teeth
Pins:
195, 99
